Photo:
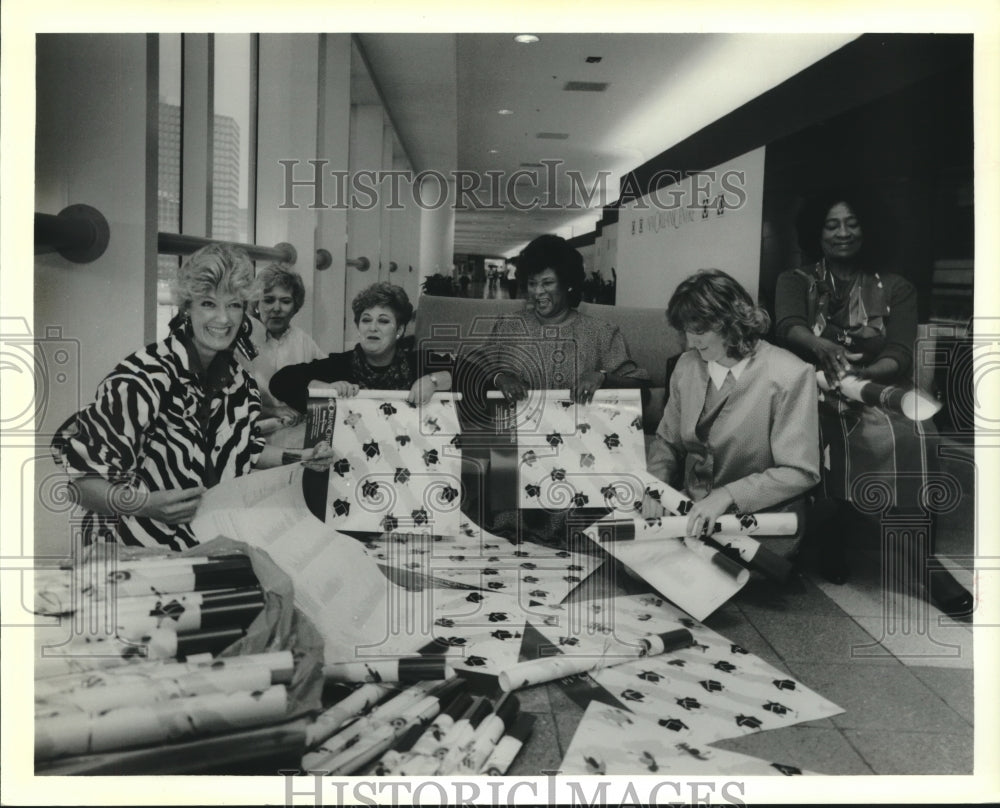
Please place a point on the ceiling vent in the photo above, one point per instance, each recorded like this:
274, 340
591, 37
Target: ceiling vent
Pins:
552, 136
586, 86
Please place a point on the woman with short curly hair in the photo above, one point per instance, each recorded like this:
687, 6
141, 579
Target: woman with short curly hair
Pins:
739, 432
279, 343
381, 360
569, 349
175, 418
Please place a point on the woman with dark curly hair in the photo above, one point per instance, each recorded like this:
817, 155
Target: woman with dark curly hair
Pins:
381, 360
739, 432
569, 349
848, 318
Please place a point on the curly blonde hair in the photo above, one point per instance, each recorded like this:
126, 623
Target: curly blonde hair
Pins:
215, 269
712, 300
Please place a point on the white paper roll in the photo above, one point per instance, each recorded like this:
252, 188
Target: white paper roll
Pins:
279, 664
347, 708
174, 720
195, 683
98, 651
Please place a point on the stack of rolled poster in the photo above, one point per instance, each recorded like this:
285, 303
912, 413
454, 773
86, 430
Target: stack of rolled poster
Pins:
461, 740
164, 607
356, 736
431, 728
161, 704
130, 667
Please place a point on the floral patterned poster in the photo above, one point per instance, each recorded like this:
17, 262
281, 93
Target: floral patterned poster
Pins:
568, 453
397, 466
711, 690
479, 632
609, 740
536, 576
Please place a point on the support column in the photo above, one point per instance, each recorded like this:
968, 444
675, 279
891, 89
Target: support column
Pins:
287, 127
330, 305
364, 216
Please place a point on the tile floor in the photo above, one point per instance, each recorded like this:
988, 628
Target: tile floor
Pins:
907, 692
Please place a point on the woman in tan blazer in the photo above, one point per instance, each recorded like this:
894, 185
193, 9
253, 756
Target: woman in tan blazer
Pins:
740, 430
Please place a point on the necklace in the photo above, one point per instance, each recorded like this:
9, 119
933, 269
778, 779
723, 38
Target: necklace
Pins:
835, 282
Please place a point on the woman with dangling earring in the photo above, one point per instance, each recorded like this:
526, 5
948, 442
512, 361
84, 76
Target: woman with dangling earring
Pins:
847, 317
381, 360
175, 418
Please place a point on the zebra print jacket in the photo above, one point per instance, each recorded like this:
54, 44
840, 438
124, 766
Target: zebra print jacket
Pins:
160, 421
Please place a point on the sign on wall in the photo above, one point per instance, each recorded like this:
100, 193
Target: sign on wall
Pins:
710, 219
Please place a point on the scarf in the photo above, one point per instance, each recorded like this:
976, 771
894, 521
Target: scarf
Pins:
397, 375
853, 316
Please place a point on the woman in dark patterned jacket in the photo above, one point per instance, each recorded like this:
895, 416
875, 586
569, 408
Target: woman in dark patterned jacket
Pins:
381, 360
850, 319
175, 418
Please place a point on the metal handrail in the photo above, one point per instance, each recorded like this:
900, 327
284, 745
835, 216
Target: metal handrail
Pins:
180, 244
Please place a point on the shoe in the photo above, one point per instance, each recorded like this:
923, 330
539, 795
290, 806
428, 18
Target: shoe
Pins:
946, 593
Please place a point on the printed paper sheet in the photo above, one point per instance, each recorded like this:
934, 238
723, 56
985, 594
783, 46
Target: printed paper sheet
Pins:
567, 452
609, 740
535, 575
715, 689
397, 467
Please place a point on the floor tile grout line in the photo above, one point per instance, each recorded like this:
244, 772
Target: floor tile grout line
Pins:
943, 700
764, 638
920, 732
842, 730
897, 658
857, 751
971, 724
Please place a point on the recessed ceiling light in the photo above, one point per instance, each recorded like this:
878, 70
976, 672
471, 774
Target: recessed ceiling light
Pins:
526, 39
586, 86
505, 112
494, 151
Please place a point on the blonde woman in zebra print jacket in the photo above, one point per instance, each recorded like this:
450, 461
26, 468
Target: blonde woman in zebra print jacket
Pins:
174, 418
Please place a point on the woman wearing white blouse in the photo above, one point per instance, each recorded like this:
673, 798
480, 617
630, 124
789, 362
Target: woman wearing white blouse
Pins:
281, 343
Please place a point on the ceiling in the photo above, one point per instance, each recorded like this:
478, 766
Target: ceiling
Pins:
442, 93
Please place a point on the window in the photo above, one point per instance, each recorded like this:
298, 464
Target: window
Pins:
232, 164
168, 191
229, 78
